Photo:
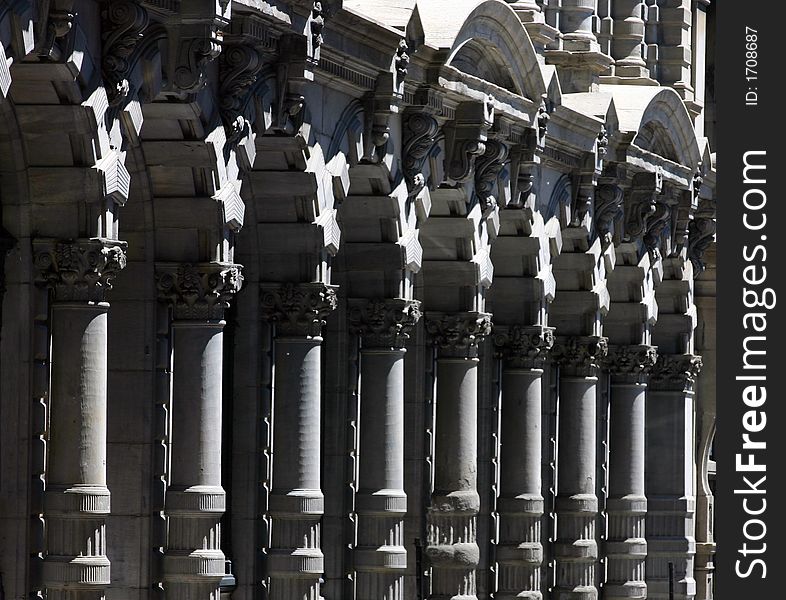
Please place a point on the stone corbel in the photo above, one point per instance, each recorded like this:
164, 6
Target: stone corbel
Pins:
609, 203
701, 234
123, 24
419, 136
465, 138
292, 76
524, 164
56, 21
379, 106
641, 204
488, 167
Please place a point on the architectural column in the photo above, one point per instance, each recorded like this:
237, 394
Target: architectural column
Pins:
670, 476
381, 504
295, 562
193, 564
626, 548
576, 26
576, 549
76, 500
628, 38
452, 548
520, 505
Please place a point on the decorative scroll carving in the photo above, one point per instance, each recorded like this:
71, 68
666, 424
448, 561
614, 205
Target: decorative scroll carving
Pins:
487, 170
79, 270
524, 347
676, 372
701, 233
193, 55
580, 356
631, 364
420, 131
298, 310
384, 323
240, 64
198, 292
608, 208
123, 24
466, 138
57, 24
458, 335
641, 203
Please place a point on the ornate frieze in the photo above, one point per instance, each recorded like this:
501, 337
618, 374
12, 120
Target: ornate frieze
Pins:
488, 166
675, 372
420, 131
198, 291
298, 310
630, 364
523, 347
580, 356
123, 22
79, 270
466, 138
458, 335
383, 323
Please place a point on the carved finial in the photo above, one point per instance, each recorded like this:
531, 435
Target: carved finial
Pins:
198, 291
580, 356
524, 347
458, 335
383, 323
631, 364
79, 270
298, 310
676, 372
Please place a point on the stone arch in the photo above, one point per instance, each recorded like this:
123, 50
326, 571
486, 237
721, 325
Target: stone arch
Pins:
561, 196
667, 126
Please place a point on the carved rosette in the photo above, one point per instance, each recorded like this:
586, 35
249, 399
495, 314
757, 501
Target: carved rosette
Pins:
384, 323
123, 23
524, 347
676, 372
487, 170
198, 292
580, 356
80, 270
420, 132
458, 335
630, 364
298, 310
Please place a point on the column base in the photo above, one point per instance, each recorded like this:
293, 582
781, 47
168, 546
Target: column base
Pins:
636, 590
81, 573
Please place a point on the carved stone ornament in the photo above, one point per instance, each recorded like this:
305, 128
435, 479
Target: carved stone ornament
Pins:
199, 291
609, 200
57, 24
603, 143
122, 26
676, 372
701, 234
458, 335
631, 364
466, 137
240, 65
383, 323
543, 119
641, 203
291, 81
316, 26
79, 270
401, 62
420, 131
487, 170
298, 310
524, 347
580, 356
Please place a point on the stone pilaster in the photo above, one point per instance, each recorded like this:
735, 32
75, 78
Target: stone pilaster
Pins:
452, 548
193, 564
626, 548
296, 504
520, 552
381, 503
670, 476
76, 500
576, 548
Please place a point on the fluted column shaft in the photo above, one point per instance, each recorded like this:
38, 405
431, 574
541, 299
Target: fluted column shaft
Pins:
520, 505
628, 38
76, 500
296, 504
381, 503
576, 549
452, 548
626, 548
193, 562
670, 476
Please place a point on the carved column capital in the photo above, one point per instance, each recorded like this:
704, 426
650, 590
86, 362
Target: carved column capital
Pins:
524, 347
79, 270
458, 335
198, 291
630, 364
299, 310
383, 323
676, 372
580, 356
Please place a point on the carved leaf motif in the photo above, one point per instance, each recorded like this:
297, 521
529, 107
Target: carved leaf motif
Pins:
198, 292
384, 323
298, 309
524, 347
458, 334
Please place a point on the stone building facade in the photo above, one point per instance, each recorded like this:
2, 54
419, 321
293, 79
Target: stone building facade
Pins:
360, 300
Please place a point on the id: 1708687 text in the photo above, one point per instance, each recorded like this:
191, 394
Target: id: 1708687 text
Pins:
751, 66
